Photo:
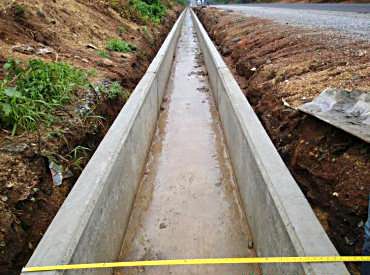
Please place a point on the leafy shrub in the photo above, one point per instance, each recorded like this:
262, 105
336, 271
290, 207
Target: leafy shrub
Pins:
30, 94
119, 45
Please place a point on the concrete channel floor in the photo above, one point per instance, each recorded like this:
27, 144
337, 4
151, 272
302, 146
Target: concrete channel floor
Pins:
187, 204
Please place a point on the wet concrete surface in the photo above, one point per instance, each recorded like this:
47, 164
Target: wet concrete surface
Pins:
188, 205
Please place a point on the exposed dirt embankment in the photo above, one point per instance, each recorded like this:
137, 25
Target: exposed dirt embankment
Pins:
95, 36
273, 63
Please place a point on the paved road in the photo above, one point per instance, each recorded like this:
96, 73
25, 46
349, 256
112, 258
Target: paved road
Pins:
350, 19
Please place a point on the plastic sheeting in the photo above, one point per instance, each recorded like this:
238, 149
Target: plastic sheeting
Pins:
349, 111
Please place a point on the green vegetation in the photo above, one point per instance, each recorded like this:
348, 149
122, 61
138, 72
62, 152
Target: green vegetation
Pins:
103, 54
182, 2
146, 33
144, 10
119, 45
121, 30
31, 93
149, 10
113, 91
19, 10
79, 156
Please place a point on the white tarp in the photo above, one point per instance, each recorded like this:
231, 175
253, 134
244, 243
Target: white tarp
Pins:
347, 110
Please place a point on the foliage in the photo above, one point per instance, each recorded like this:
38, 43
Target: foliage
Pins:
121, 30
19, 10
103, 54
182, 2
149, 10
79, 156
113, 90
119, 45
30, 94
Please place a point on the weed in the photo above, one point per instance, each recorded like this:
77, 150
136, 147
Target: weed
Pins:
58, 133
149, 10
182, 2
103, 54
119, 45
79, 155
30, 94
114, 3
121, 30
113, 90
19, 10
148, 36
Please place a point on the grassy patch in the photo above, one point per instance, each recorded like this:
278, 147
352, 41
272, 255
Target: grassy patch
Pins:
113, 90
103, 54
19, 10
31, 93
144, 10
149, 10
119, 45
182, 2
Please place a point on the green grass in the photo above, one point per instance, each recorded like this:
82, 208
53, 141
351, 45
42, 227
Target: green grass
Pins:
113, 91
149, 10
79, 156
103, 54
19, 10
119, 45
182, 2
144, 10
30, 93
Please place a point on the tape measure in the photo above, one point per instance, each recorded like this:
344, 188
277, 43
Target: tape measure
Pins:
255, 260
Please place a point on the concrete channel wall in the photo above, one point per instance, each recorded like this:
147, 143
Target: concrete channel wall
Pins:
281, 220
90, 225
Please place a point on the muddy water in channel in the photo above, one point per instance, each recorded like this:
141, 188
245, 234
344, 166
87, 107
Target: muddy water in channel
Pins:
187, 205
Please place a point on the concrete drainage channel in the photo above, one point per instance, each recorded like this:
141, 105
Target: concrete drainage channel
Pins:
93, 221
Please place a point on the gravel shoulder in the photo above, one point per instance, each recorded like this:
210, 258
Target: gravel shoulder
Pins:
355, 25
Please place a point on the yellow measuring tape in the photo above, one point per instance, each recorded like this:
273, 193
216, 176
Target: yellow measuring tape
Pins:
256, 260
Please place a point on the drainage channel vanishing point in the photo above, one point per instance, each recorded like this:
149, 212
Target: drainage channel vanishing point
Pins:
188, 205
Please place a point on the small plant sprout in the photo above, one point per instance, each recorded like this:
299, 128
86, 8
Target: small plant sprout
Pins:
103, 54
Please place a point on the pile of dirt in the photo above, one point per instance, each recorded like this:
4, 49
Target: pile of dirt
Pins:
276, 63
75, 32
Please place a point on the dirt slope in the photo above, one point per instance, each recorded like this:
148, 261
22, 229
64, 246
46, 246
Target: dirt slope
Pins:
75, 32
273, 63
